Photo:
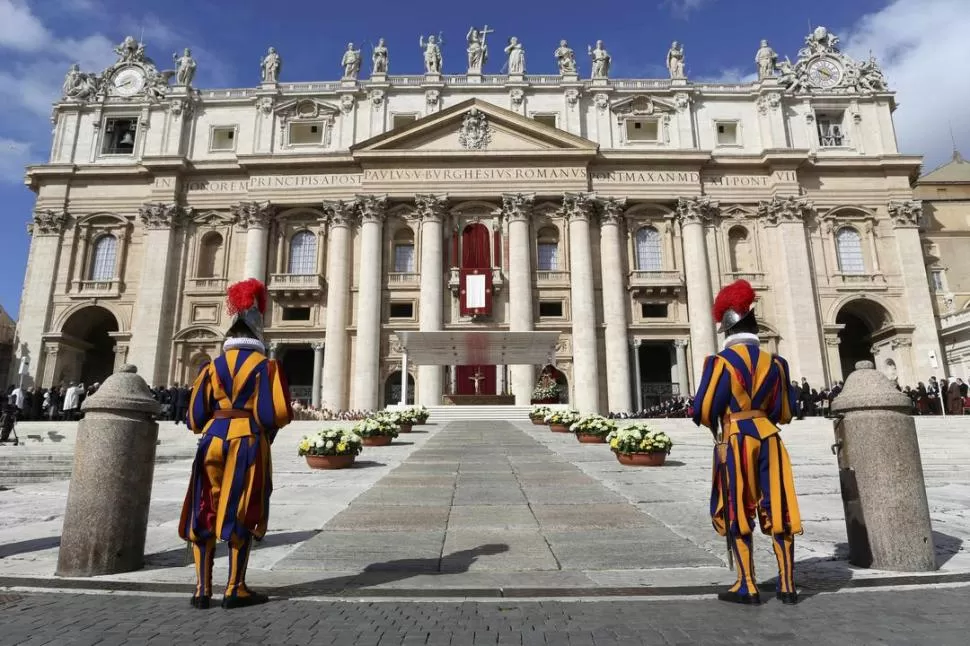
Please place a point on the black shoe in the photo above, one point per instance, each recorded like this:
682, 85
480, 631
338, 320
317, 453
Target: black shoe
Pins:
787, 598
202, 603
252, 599
735, 597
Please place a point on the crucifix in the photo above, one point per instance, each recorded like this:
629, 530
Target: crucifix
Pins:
478, 377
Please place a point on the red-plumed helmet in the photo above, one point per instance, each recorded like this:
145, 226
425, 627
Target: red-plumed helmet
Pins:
245, 303
732, 304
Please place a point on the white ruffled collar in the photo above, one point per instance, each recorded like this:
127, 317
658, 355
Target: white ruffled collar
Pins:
742, 337
242, 343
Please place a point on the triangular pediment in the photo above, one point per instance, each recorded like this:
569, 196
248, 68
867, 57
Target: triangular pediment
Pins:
641, 105
298, 109
475, 126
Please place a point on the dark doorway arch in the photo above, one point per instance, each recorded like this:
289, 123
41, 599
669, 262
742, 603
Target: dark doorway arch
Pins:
297, 362
89, 329
392, 389
860, 319
656, 366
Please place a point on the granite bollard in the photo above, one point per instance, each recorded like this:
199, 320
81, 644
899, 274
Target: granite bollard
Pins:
883, 491
106, 519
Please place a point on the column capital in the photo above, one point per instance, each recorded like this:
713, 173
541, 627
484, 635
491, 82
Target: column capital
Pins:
906, 214
788, 209
832, 340
578, 207
637, 342
517, 206
611, 209
253, 215
161, 215
317, 347
680, 344
431, 207
372, 208
696, 210
340, 213
48, 222
900, 342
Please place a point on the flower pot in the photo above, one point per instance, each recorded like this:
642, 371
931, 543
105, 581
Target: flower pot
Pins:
655, 459
377, 440
558, 428
538, 421
330, 461
589, 438
405, 428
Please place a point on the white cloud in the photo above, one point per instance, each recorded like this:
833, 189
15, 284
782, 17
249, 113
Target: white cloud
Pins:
682, 8
14, 155
730, 75
20, 29
922, 46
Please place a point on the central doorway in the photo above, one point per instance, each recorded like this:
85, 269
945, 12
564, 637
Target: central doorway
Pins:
297, 361
860, 319
656, 368
90, 329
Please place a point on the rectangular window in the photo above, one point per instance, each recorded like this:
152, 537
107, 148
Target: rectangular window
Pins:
727, 133
296, 313
546, 119
404, 258
830, 131
223, 139
653, 310
550, 309
306, 133
937, 276
119, 136
548, 259
399, 120
642, 130
402, 311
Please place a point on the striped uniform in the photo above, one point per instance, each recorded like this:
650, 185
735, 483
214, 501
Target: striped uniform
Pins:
746, 393
239, 401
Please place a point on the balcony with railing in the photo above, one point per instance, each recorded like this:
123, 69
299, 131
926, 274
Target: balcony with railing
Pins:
756, 278
954, 322
454, 280
403, 279
96, 288
654, 283
549, 277
859, 281
208, 285
295, 284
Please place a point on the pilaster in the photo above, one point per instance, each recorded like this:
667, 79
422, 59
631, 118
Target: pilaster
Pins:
517, 211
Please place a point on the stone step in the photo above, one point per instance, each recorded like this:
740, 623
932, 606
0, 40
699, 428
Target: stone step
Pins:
443, 414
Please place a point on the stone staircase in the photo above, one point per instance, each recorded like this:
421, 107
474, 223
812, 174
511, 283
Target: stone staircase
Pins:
445, 414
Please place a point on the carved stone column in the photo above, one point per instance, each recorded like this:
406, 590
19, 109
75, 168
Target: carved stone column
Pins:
404, 379
317, 374
373, 210
694, 214
151, 327
431, 209
903, 349
907, 218
638, 380
834, 359
35, 307
615, 304
517, 209
680, 347
801, 329
578, 208
255, 217
340, 217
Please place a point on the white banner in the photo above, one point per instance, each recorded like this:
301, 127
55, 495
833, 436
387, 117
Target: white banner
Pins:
474, 291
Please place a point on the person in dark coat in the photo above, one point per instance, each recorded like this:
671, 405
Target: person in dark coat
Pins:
181, 403
954, 402
173, 398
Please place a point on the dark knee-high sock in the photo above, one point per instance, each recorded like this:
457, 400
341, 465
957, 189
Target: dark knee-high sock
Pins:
744, 564
204, 554
238, 560
784, 546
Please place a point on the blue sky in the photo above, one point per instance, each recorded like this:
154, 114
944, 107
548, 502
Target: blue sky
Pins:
39, 39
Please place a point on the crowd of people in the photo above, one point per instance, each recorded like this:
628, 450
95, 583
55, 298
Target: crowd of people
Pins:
54, 404
174, 402
311, 413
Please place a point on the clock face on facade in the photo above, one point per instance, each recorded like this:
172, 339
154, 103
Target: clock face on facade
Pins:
824, 73
128, 81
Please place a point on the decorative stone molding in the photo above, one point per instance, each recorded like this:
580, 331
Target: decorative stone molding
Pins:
517, 206
611, 209
897, 343
517, 96
432, 97
785, 209
572, 96
680, 343
264, 104
681, 101
822, 67
340, 213
48, 223
159, 215
578, 206
181, 107
475, 132
252, 215
347, 103
832, 340
906, 214
431, 207
768, 102
372, 208
696, 210
376, 98
601, 101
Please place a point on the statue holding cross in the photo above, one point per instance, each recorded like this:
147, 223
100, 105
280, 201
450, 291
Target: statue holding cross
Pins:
478, 377
477, 49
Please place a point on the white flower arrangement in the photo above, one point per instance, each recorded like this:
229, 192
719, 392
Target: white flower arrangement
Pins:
563, 417
331, 441
380, 424
593, 425
413, 415
639, 438
539, 412
549, 391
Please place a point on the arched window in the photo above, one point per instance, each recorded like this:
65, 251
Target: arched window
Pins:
740, 249
103, 258
848, 245
303, 253
210, 256
649, 256
547, 249
403, 248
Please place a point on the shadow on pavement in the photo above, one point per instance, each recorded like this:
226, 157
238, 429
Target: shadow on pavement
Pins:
182, 556
33, 545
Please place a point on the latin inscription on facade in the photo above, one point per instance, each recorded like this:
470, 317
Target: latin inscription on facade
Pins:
472, 174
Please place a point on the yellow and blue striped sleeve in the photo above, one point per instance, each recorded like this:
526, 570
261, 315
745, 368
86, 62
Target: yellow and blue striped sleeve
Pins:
786, 400
713, 394
200, 402
272, 404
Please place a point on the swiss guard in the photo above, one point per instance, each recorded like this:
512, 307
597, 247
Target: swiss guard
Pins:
239, 401
743, 395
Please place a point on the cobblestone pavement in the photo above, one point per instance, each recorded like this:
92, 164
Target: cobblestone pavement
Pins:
925, 616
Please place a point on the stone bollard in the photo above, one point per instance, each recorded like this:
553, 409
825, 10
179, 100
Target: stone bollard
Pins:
886, 514
114, 460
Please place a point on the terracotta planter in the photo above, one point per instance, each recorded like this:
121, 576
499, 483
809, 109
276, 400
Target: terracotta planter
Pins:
405, 428
420, 423
558, 428
656, 459
378, 440
538, 421
330, 461
587, 438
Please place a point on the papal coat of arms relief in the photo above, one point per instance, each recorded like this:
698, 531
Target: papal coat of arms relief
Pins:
474, 133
